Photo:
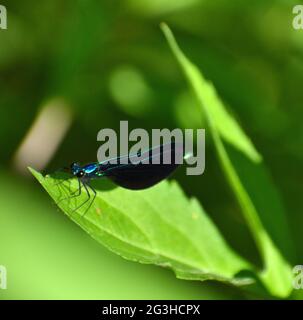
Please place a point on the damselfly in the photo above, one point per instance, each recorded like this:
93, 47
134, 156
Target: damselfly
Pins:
134, 171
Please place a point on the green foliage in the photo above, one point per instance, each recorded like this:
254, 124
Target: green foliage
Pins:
277, 276
158, 225
108, 62
206, 94
48, 257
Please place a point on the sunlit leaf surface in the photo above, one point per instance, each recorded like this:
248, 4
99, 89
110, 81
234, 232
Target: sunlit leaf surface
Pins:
158, 226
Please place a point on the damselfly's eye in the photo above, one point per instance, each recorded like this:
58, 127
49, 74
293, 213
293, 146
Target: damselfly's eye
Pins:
80, 174
74, 167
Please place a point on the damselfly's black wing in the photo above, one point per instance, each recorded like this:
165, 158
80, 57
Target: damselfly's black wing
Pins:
145, 169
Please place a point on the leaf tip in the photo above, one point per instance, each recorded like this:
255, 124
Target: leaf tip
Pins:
31, 169
35, 173
253, 154
167, 32
163, 26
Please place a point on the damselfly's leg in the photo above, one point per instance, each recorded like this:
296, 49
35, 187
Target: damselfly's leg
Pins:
88, 197
63, 180
73, 195
94, 197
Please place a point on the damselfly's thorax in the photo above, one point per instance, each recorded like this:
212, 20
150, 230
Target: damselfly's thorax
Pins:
89, 171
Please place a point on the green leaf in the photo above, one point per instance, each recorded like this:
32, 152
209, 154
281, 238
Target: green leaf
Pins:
277, 275
157, 226
227, 126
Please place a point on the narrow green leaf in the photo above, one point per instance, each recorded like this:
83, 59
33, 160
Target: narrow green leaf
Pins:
156, 226
276, 276
227, 126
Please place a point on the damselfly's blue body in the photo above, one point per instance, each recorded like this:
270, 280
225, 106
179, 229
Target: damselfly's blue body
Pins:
136, 172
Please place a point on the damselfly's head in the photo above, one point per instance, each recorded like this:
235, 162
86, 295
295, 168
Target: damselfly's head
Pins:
76, 170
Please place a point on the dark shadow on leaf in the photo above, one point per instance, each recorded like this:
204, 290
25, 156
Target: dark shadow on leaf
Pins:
103, 184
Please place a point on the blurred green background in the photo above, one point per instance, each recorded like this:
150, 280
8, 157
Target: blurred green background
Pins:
70, 68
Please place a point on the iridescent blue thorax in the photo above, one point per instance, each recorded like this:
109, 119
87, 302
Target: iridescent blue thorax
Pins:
88, 171
90, 168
